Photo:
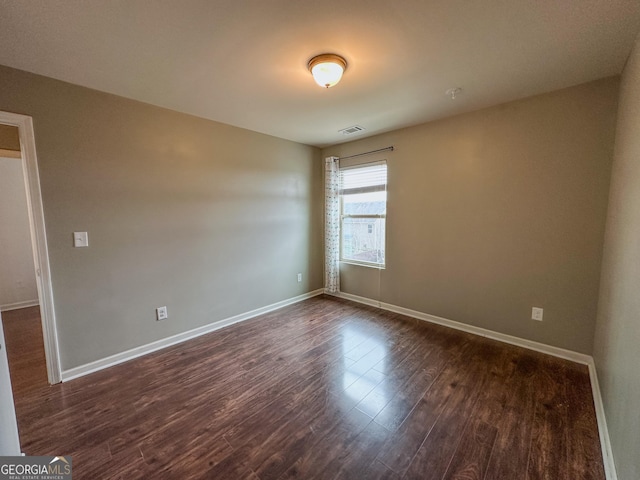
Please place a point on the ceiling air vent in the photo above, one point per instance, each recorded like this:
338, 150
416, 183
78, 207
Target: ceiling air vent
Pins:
351, 130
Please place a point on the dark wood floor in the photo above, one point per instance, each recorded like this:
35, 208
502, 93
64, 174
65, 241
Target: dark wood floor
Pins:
323, 389
25, 349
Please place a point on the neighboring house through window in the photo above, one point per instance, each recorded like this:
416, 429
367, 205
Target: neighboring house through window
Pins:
363, 205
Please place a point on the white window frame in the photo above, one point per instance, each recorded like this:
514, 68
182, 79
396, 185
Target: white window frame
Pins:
380, 266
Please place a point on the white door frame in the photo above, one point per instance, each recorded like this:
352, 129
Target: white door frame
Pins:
38, 240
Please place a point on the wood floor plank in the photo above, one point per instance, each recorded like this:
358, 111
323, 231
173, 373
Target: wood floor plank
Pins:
414, 376
437, 451
322, 389
191, 455
473, 453
328, 452
453, 391
549, 443
510, 453
273, 451
585, 458
25, 349
363, 452
326, 433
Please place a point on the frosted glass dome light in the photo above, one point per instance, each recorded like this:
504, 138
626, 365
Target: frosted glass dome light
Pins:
327, 69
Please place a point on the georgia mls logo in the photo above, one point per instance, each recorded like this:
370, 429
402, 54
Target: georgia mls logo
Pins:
56, 469
35, 468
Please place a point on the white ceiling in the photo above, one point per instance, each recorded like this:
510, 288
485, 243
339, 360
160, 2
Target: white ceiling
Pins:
243, 62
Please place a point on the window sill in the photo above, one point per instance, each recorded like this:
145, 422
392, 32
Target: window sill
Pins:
362, 264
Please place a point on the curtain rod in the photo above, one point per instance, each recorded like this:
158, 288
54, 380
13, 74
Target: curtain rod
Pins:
368, 153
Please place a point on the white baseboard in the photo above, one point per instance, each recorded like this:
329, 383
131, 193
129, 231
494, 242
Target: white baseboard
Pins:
603, 431
605, 442
179, 338
483, 332
18, 305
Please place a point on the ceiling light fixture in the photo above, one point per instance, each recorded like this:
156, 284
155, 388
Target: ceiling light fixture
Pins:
327, 69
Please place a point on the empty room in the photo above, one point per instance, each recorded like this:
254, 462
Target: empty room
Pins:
333, 240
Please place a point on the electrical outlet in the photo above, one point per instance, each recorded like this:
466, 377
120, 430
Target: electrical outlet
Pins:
299, 277
536, 314
161, 313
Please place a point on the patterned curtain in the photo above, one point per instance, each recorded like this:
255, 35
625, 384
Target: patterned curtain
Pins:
332, 225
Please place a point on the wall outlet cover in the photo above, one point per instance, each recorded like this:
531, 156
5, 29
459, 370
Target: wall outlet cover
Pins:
161, 313
536, 313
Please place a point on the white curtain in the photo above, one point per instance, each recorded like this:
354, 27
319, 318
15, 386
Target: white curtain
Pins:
332, 225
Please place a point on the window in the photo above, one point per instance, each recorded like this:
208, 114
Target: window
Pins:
363, 212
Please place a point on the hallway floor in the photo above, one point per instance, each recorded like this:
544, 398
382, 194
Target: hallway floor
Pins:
25, 349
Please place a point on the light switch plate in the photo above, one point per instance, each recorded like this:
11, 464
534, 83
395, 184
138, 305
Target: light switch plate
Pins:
80, 239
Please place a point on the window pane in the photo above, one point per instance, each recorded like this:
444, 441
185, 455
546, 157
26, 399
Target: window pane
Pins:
363, 198
373, 203
363, 239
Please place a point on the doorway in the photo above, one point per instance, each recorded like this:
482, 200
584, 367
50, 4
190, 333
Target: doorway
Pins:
33, 309
19, 302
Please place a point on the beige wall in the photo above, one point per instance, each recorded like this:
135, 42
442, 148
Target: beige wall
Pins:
617, 339
494, 212
17, 274
207, 219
